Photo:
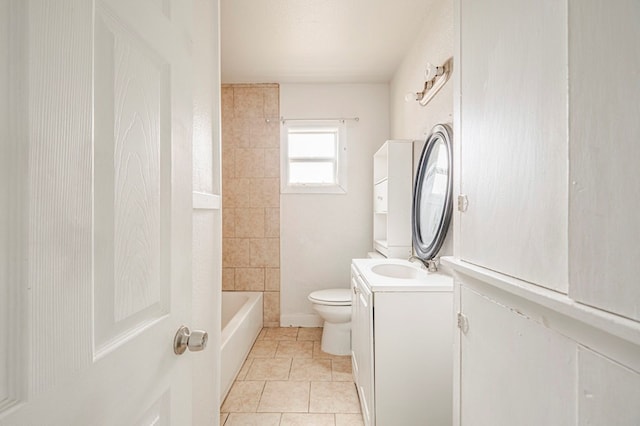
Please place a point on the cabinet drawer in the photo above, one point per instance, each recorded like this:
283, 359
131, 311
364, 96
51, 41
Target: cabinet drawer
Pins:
380, 197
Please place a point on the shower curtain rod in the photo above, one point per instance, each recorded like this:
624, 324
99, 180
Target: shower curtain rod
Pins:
284, 120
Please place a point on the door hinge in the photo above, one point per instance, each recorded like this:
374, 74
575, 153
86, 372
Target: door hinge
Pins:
463, 323
463, 203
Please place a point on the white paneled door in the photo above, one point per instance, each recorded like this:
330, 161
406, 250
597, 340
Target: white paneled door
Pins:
96, 117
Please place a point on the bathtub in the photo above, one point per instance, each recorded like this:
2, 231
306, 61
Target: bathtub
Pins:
241, 324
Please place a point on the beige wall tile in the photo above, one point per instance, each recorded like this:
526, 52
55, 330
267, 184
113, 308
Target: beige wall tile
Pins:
264, 192
271, 162
297, 349
253, 419
248, 102
265, 135
250, 184
272, 279
272, 222
265, 252
243, 397
291, 397
333, 397
249, 279
271, 307
249, 223
271, 101
236, 252
271, 323
228, 223
236, 192
228, 162
241, 129
249, 162
226, 101
228, 279
310, 369
269, 369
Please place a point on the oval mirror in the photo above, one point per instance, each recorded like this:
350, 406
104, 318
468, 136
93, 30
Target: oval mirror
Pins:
432, 194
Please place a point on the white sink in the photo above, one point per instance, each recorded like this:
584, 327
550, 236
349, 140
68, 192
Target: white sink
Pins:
394, 270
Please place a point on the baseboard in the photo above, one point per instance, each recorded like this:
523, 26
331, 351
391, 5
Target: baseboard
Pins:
300, 320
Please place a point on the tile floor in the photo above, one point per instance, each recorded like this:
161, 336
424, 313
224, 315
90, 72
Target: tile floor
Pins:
288, 381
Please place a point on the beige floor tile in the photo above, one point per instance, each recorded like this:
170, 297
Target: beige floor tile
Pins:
317, 353
281, 333
263, 349
262, 333
285, 397
349, 420
253, 419
269, 369
242, 374
243, 397
223, 418
333, 397
311, 369
307, 419
314, 334
341, 370
295, 349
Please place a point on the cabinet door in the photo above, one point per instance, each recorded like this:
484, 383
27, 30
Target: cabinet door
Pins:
604, 129
362, 346
514, 138
515, 371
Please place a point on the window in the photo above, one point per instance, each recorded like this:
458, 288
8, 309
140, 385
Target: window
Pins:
314, 157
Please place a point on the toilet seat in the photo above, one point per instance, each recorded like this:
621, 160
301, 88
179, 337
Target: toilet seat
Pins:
332, 297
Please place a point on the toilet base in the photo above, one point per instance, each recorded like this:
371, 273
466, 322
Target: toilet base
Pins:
336, 338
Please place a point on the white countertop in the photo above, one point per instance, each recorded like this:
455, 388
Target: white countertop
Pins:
400, 275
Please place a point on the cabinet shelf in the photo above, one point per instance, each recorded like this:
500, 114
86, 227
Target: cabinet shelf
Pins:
392, 184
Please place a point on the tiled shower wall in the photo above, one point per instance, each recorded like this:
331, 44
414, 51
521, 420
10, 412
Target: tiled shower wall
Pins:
251, 193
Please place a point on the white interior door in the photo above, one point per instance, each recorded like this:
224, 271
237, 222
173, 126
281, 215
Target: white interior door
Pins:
97, 115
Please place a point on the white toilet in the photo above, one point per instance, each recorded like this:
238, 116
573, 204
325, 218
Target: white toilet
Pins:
334, 307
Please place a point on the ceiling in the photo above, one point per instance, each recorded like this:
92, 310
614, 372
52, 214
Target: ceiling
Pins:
316, 41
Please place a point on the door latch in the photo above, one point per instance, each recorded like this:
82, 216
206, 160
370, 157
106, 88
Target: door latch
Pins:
463, 203
463, 323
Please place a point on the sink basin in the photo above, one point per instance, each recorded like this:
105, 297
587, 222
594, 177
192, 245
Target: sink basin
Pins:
392, 270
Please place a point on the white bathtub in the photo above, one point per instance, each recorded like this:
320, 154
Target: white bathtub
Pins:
241, 324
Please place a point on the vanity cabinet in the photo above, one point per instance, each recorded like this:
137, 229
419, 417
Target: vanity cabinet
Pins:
392, 188
401, 347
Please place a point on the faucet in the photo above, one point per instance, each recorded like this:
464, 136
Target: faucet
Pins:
430, 265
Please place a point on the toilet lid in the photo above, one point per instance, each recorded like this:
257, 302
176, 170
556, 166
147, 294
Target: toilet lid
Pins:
332, 297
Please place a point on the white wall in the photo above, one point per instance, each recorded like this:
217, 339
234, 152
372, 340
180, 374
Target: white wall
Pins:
410, 120
434, 43
321, 233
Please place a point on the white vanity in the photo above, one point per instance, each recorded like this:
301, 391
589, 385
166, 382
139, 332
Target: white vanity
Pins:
402, 337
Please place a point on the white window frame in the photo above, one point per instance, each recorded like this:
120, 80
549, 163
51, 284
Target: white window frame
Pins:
340, 186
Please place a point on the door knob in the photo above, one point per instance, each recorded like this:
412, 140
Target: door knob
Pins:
195, 340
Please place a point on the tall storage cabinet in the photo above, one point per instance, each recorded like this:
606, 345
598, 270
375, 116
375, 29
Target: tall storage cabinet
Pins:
392, 183
546, 290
